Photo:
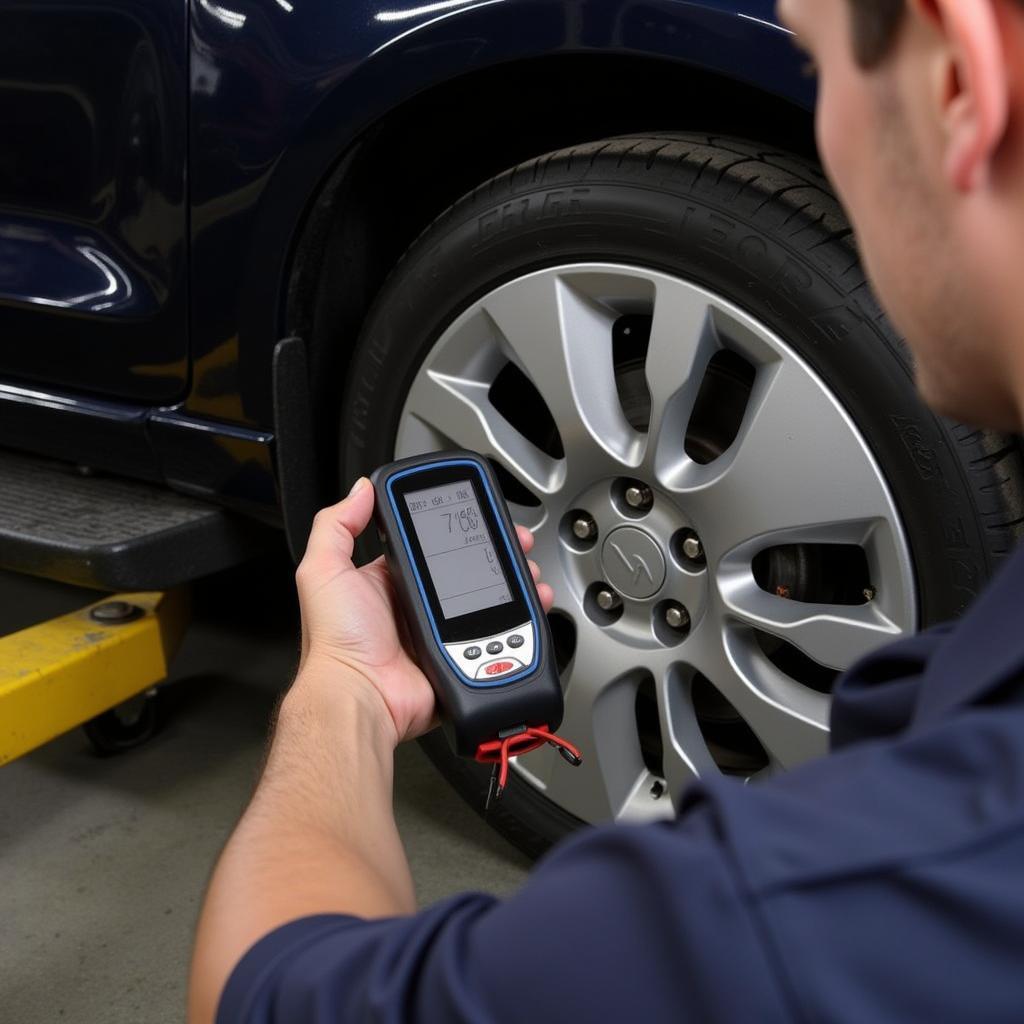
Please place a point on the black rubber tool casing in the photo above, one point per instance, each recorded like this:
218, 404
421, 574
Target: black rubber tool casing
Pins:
469, 715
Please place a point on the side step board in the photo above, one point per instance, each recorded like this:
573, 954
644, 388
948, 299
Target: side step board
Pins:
110, 533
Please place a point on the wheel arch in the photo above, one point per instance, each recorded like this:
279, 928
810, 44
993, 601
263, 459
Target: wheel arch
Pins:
418, 159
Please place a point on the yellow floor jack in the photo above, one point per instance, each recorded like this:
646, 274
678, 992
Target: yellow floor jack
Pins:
140, 544
97, 667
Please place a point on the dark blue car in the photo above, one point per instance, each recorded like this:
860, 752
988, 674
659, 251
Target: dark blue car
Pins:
250, 249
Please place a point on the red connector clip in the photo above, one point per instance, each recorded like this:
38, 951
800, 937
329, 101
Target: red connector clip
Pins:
513, 742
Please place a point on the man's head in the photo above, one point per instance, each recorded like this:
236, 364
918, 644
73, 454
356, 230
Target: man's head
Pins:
920, 116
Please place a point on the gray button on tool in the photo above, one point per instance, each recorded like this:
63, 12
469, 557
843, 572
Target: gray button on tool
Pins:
515, 640
495, 647
472, 652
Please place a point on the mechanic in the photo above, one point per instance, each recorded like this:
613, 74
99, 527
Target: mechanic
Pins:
883, 883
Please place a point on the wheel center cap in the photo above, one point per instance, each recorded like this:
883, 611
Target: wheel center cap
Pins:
633, 562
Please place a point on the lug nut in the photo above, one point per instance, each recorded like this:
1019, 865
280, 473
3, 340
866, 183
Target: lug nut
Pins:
677, 617
584, 528
870, 593
693, 549
639, 497
607, 600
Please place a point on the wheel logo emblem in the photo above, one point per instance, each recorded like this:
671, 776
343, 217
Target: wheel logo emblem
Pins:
637, 566
633, 562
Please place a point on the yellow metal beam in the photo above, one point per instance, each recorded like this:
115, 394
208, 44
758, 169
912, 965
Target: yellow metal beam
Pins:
61, 673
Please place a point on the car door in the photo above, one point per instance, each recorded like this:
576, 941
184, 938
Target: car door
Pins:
93, 213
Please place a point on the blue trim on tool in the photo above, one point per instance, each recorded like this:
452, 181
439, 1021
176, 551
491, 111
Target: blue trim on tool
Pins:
475, 683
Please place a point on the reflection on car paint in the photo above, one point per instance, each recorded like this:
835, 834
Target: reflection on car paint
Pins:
78, 270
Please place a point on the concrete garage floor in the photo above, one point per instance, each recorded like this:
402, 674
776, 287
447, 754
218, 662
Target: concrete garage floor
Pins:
103, 861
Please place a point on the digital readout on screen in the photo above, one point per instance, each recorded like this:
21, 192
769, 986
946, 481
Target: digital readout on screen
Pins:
459, 549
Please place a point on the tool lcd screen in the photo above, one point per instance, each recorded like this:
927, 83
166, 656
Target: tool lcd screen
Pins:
458, 548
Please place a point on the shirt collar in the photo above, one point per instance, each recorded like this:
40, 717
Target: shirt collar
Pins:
984, 653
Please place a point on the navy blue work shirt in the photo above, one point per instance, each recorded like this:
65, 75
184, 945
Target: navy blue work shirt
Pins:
883, 883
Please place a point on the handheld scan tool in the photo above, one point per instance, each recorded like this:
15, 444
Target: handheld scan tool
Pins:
475, 622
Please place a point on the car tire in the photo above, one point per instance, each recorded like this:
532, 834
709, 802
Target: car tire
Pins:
760, 229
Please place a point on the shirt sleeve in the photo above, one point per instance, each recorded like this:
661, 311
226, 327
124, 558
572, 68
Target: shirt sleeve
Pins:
877, 696
620, 923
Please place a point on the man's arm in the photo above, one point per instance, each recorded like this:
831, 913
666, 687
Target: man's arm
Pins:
319, 835
618, 924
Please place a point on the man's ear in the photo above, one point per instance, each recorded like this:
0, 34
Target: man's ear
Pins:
975, 85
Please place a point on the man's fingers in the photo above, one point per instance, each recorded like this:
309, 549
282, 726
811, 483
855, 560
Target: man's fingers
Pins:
525, 538
546, 595
535, 571
336, 527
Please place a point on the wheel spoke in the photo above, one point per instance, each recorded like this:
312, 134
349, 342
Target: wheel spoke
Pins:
460, 410
533, 517
599, 708
833, 635
789, 719
684, 753
798, 463
545, 546
682, 343
562, 340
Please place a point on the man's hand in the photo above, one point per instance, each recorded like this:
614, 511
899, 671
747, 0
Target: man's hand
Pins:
350, 623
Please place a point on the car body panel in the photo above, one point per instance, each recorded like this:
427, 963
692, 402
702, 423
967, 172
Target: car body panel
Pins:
93, 212
276, 93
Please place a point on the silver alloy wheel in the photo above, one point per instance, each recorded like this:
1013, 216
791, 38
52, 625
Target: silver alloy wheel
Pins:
797, 473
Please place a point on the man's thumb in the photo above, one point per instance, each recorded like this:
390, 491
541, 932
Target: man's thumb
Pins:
355, 509
351, 514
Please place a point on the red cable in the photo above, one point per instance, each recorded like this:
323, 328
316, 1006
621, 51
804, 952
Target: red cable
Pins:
499, 752
559, 743
503, 773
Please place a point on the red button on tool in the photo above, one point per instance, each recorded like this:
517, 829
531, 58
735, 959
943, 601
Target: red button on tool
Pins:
498, 668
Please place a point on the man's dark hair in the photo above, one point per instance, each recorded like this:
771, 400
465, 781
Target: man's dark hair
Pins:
875, 23
874, 27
